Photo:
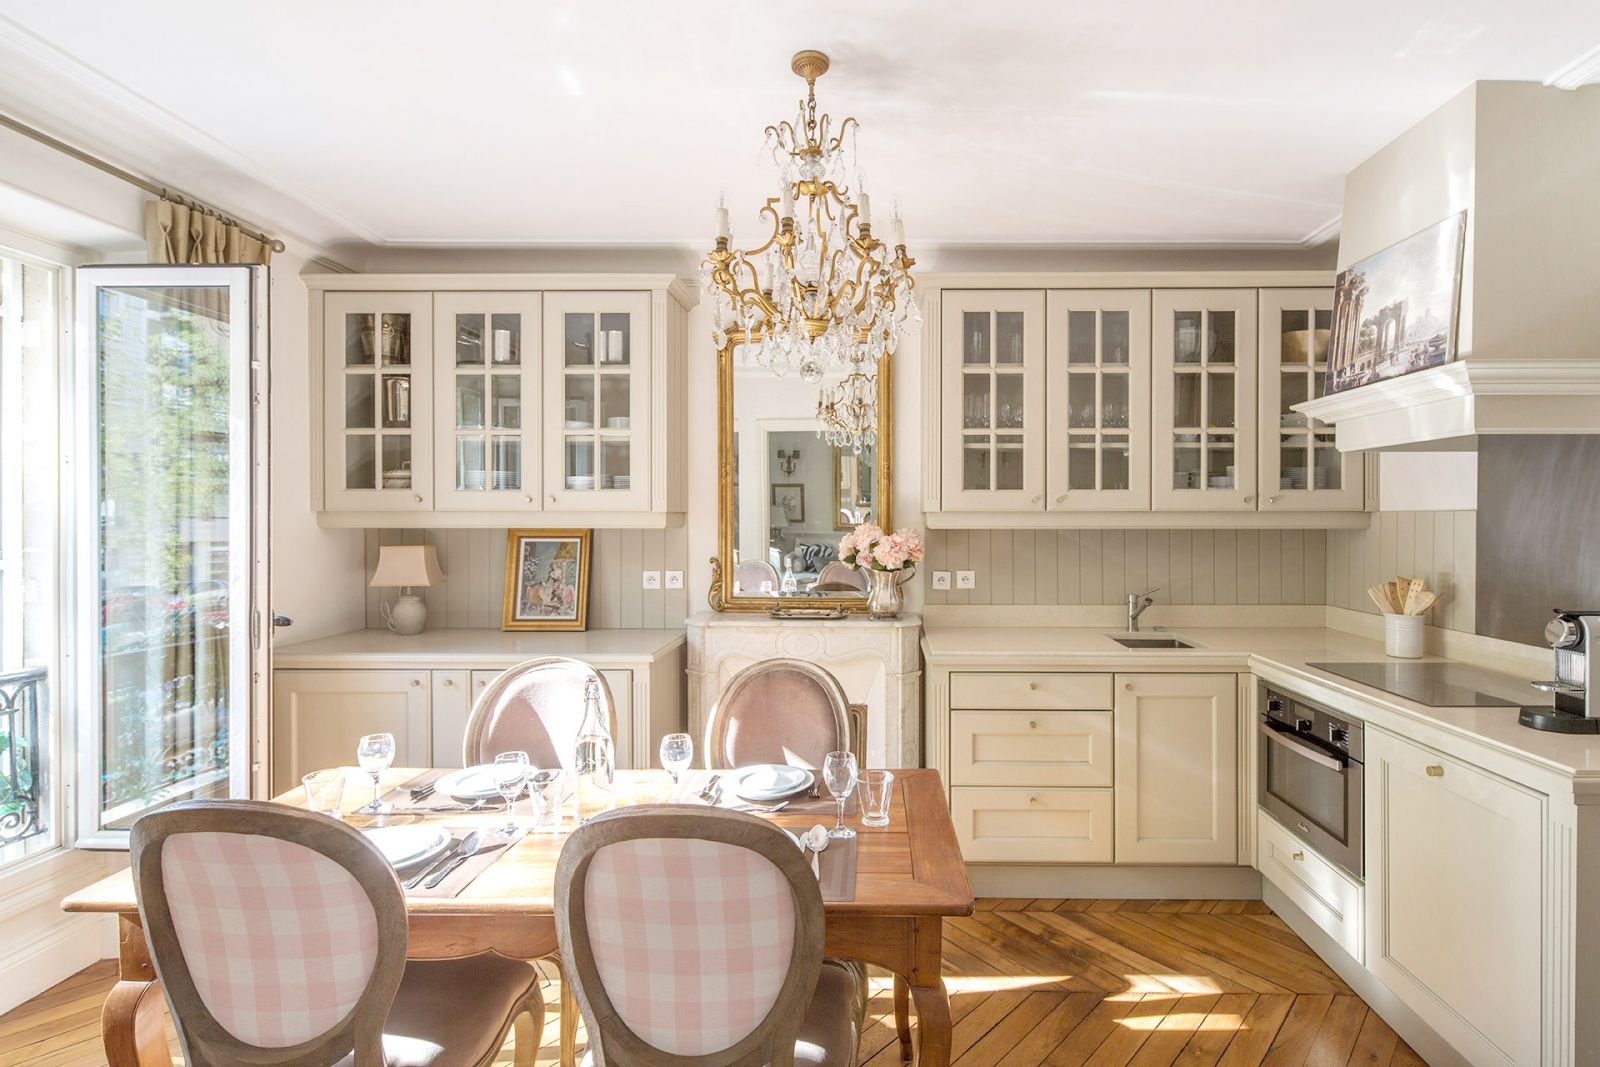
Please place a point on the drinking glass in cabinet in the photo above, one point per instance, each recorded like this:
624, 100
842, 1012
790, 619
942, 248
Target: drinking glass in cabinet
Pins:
469, 402
616, 327
359, 341
615, 463
360, 461
396, 341
1186, 399
1186, 337
1008, 397
396, 401
1114, 401
470, 463
1080, 337
506, 395
1007, 461
397, 461
1219, 464
580, 462
1114, 456
1219, 400
975, 337
469, 340
1114, 344
1080, 461
1220, 341
975, 463
1186, 461
505, 456
505, 338
579, 346
360, 407
615, 402
1080, 400
580, 402
975, 401
1008, 337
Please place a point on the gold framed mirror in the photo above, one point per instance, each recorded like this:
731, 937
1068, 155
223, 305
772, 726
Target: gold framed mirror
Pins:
785, 496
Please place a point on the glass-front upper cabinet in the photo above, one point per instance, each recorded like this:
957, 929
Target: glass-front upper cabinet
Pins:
597, 401
486, 424
377, 397
1099, 400
1301, 470
1204, 399
994, 374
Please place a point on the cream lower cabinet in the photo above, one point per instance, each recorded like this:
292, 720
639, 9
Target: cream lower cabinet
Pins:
1456, 901
1177, 768
318, 716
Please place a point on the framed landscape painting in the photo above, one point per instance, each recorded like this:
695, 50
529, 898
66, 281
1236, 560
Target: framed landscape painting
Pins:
547, 580
1395, 312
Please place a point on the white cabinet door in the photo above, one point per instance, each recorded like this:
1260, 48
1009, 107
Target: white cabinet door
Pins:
452, 700
377, 401
993, 400
1204, 399
1032, 825
1098, 415
597, 357
487, 417
1301, 469
1177, 768
318, 716
1455, 897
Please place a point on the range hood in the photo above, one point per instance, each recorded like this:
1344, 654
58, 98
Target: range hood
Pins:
1521, 160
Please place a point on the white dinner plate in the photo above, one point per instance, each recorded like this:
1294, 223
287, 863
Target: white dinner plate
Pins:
769, 781
469, 783
403, 846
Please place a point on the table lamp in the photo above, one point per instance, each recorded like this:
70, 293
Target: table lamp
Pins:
407, 567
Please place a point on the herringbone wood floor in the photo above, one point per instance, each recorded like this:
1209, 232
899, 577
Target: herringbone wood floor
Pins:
1108, 983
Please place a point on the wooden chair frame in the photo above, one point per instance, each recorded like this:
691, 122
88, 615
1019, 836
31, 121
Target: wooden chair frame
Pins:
772, 1040
492, 693
716, 759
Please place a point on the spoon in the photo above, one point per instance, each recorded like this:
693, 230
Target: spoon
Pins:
816, 839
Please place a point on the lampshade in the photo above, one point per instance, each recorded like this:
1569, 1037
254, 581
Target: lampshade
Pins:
407, 565
780, 518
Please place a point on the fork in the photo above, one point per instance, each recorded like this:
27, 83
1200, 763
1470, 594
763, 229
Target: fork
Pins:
764, 809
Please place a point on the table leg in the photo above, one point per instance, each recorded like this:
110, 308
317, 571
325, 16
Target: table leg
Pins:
569, 1023
902, 1016
933, 1024
132, 1026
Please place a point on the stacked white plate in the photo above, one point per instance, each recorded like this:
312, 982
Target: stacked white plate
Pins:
407, 846
580, 481
469, 783
766, 782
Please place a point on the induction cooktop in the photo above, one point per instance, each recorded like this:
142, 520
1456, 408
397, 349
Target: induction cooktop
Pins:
1440, 685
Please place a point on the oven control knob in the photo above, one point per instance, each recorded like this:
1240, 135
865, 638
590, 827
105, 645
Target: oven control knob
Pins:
1562, 632
1302, 725
1338, 735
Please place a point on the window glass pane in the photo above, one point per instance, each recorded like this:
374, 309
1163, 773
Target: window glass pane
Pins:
1080, 337
975, 463
360, 461
1080, 461
396, 340
579, 334
1114, 337
469, 340
580, 462
975, 400
1186, 337
469, 401
507, 391
975, 337
360, 342
1080, 400
360, 411
1008, 400
396, 401
1114, 401
1008, 337
617, 328
1114, 462
1220, 340
580, 401
506, 452
615, 400
1007, 461
469, 463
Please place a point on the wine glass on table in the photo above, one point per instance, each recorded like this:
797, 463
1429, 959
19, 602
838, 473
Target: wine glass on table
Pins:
839, 775
677, 752
510, 771
375, 752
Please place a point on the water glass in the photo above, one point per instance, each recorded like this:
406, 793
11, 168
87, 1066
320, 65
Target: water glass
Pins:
325, 792
545, 789
839, 775
510, 770
877, 790
375, 753
677, 753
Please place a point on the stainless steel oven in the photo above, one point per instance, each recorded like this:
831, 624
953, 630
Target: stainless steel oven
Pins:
1310, 773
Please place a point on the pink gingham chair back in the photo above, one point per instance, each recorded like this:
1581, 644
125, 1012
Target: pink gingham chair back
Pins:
690, 935
535, 707
279, 936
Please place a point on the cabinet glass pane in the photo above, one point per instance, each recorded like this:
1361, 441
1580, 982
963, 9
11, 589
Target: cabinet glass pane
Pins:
505, 454
1008, 337
469, 402
359, 342
360, 411
1114, 462
1220, 339
1080, 400
505, 337
580, 402
1292, 470
1186, 399
469, 340
615, 400
975, 337
1007, 461
1114, 342
397, 461
1330, 463
975, 463
1219, 463
975, 401
1295, 336
1186, 337
505, 394
360, 461
1292, 390
580, 462
1219, 400
470, 463
615, 472
396, 342
396, 401
1080, 337
1114, 401
1008, 401
1186, 461
617, 329
579, 340
1319, 339
1081, 450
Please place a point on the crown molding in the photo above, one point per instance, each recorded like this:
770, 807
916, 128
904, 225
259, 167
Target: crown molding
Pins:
1580, 72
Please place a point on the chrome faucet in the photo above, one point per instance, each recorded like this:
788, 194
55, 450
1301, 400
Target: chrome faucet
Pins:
1137, 602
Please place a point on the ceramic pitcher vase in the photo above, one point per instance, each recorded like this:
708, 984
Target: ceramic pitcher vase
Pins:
884, 600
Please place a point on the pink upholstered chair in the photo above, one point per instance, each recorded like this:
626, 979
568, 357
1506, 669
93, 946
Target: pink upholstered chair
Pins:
748, 576
837, 577
535, 707
778, 711
694, 936
279, 937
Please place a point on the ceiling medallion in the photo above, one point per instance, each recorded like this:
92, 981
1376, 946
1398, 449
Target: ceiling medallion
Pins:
821, 294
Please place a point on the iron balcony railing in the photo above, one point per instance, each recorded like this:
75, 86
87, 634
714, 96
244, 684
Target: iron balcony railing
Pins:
23, 726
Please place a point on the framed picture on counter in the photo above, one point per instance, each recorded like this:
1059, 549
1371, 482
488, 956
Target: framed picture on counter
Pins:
547, 580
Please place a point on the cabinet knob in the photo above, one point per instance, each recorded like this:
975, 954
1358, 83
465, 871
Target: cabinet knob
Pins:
418, 498
1033, 686
1034, 801
448, 682
1038, 497
416, 683
1272, 500
1128, 686
552, 498
1249, 500
1032, 725
1061, 498
529, 499
1435, 770
1298, 857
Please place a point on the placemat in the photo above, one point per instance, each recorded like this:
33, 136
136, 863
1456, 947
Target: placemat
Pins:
836, 869
801, 803
492, 848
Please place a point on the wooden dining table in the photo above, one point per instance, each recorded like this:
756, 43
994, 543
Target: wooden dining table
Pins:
909, 877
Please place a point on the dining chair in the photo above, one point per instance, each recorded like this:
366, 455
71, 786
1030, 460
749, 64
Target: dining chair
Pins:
749, 576
694, 936
836, 577
778, 711
535, 707
279, 938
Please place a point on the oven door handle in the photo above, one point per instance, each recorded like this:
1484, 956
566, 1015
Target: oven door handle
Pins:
1301, 748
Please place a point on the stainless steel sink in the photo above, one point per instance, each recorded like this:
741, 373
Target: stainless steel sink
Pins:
1151, 642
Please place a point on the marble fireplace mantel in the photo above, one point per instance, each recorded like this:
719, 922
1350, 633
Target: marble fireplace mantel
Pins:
879, 663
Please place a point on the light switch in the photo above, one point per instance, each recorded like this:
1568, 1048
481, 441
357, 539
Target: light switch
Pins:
674, 579
941, 579
652, 579
966, 579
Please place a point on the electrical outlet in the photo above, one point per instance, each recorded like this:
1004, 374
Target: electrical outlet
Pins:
941, 579
674, 579
652, 579
966, 579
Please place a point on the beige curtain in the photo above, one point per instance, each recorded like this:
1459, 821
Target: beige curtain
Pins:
177, 233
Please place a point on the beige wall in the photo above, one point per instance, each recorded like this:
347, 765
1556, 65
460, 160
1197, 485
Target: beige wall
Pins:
1438, 546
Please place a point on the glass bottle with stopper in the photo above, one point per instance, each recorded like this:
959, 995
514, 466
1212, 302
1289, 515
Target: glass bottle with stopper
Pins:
593, 763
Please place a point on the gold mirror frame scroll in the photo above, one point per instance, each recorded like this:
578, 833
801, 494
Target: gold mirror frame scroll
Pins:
721, 596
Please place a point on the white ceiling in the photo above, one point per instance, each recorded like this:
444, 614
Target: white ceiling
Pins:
398, 122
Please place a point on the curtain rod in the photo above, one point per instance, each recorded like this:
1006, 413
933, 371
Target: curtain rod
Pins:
133, 179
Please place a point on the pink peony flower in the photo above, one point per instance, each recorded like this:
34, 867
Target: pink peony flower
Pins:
912, 541
890, 553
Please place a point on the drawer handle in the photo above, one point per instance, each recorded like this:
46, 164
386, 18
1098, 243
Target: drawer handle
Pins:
1435, 770
1033, 685
416, 683
1128, 686
1298, 856
1034, 801
1032, 725
448, 682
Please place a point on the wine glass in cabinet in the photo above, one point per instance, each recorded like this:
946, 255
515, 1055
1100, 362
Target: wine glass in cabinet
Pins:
1204, 399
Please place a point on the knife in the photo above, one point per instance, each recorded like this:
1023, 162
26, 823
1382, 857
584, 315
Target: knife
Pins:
464, 853
455, 846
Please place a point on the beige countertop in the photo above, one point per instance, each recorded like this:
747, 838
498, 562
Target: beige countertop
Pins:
1282, 656
379, 649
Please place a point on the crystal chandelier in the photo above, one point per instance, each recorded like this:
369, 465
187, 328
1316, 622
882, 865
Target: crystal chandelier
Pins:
821, 292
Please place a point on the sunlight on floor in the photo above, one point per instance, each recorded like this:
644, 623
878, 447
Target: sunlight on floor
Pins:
1192, 1021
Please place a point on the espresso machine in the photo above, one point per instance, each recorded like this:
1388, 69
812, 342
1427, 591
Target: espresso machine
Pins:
1575, 637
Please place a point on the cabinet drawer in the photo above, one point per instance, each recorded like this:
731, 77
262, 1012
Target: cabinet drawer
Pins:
1328, 896
1032, 825
1037, 748
1065, 692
